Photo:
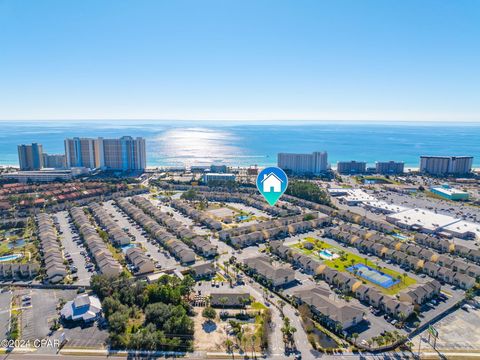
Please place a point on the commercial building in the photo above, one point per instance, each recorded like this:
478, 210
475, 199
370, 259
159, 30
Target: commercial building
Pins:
83, 308
54, 161
314, 163
123, 154
30, 156
209, 177
351, 167
421, 220
45, 175
444, 165
389, 167
218, 168
449, 193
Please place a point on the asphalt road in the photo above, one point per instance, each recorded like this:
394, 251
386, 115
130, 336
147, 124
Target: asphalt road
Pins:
72, 248
152, 249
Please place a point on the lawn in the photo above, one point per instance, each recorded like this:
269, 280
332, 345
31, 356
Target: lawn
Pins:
348, 259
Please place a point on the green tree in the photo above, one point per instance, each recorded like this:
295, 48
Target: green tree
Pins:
209, 313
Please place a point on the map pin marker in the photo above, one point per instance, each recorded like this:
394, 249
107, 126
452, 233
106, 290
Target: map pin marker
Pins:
272, 183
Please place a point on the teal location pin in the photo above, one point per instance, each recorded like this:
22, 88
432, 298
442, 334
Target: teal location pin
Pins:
272, 183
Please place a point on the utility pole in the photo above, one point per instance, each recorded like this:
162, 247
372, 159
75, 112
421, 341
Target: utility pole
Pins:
419, 345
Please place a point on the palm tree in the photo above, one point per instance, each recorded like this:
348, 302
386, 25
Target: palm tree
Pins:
355, 337
253, 345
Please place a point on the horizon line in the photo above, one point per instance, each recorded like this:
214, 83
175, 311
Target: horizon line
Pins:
248, 120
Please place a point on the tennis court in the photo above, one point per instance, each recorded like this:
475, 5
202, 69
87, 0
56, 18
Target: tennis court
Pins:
372, 275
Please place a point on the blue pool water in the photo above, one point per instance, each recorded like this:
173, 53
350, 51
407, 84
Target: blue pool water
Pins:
374, 276
126, 247
400, 236
243, 217
10, 257
327, 254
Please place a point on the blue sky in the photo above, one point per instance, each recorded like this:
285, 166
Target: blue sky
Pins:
322, 60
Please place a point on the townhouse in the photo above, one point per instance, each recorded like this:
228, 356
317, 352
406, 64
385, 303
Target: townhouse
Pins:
9, 270
200, 244
328, 308
116, 234
142, 264
308, 264
196, 215
272, 273
55, 269
203, 271
104, 259
176, 247
440, 266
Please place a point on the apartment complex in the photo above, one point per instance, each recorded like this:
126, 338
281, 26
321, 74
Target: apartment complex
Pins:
351, 167
389, 167
123, 154
54, 161
30, 156
443, 165
313, 163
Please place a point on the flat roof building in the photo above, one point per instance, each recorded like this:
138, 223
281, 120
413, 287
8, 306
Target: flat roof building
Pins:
421, 219
449, 193
54, 161
44, 175
389, 167
351, 167
30, 156
444, 165
220, 177
123, 154
314, 163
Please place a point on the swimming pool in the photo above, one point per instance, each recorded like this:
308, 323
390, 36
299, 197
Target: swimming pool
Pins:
243, 217
126, 247
10, 257
327, 254
400, 236
372, 275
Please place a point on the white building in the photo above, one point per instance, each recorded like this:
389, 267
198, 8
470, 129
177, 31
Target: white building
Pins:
83, 308
384, 207
45, 175
313, 163
421, 220
208, 177
443, 165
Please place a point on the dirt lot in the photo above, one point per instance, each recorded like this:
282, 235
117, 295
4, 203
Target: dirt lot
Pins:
209, 337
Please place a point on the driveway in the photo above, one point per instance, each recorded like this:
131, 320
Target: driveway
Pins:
166, 261
72, 248
5, 301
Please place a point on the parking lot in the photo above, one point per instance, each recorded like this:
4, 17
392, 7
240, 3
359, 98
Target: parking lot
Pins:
74, 250
157, 253
457, 331
5, 300
39, 316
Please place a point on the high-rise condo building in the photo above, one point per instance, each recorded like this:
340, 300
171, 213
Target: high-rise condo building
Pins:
389, 167
125, 153
351, 167
54, 161
314, 163
83, 152
444, 165
30, 156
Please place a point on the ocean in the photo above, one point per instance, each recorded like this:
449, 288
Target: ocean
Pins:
176, 143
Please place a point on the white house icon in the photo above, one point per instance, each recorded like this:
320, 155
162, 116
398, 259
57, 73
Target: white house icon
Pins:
271, 183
